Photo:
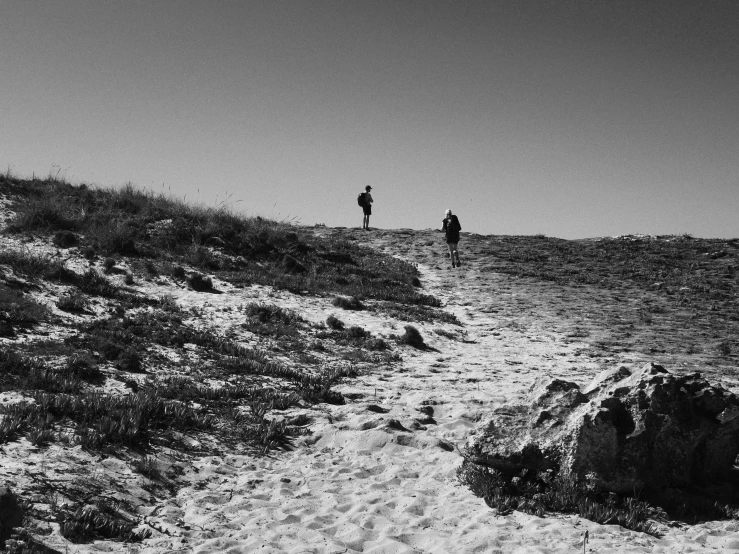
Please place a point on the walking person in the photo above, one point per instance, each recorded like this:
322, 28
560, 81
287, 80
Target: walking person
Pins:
452, 228
366, 206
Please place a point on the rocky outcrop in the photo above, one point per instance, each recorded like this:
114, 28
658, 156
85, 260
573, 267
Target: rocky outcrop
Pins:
626, 431
11, 514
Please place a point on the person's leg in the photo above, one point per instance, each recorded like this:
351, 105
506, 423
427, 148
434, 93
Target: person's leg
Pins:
456, 254
451, 251
368, 223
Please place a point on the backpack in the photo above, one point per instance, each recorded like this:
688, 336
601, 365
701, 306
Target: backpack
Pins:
362, 199
455, 224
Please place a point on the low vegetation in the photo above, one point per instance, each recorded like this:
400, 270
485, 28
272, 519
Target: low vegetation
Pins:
185, 383
241, 250
539, 493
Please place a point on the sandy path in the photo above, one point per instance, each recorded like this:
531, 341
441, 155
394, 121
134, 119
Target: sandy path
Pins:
376, 476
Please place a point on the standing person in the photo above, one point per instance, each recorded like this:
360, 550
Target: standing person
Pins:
452, 228
367, 207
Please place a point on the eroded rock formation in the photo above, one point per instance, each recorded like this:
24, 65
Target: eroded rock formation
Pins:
628, 431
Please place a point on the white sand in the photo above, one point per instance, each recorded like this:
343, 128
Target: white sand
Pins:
356, 485
381, 482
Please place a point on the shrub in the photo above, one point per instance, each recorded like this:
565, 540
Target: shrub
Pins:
72, 302
26, 263
46, 211
65, 239
351, 303
89, 252
96, 284
168, 303
128, 279
16, 309
199, 282
265, 313
146, 466
108, 265
178, 272
410, 312
376, 344
202, 257
334, 323
89, 523
356, 332
412, 337
538, 492
129, 360
83, 366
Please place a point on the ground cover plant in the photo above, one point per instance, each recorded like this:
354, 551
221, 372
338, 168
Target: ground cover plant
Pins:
550, 491
541, 492
18, 310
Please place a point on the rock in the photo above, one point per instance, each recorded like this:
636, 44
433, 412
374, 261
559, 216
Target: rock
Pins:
395, 425
651, 428
11, 514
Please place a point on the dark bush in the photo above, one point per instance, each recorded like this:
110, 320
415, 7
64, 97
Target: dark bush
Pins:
108, 349
538, 493
96, 284
72, 302
199, 282
356, 332
178, 272
108, 265
65, 239
129, 360
412, 337
352, 303
202, 257
376, 344
265, 313
334, 323
83, 366
16, 309
89, 252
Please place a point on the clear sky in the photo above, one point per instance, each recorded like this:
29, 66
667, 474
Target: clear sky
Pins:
569, 118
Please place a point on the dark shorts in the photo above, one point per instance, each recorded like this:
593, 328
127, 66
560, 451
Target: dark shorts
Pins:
367, 209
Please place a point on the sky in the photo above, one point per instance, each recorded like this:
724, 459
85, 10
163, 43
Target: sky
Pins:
573, 119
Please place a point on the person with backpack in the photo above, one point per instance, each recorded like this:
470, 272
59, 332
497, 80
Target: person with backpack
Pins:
451, 227
365, 200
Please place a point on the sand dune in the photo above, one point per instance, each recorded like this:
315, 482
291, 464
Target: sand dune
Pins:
374, 478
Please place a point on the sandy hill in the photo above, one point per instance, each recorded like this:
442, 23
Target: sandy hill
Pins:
181, 379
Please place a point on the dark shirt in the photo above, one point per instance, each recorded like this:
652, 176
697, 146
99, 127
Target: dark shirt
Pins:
452, 228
